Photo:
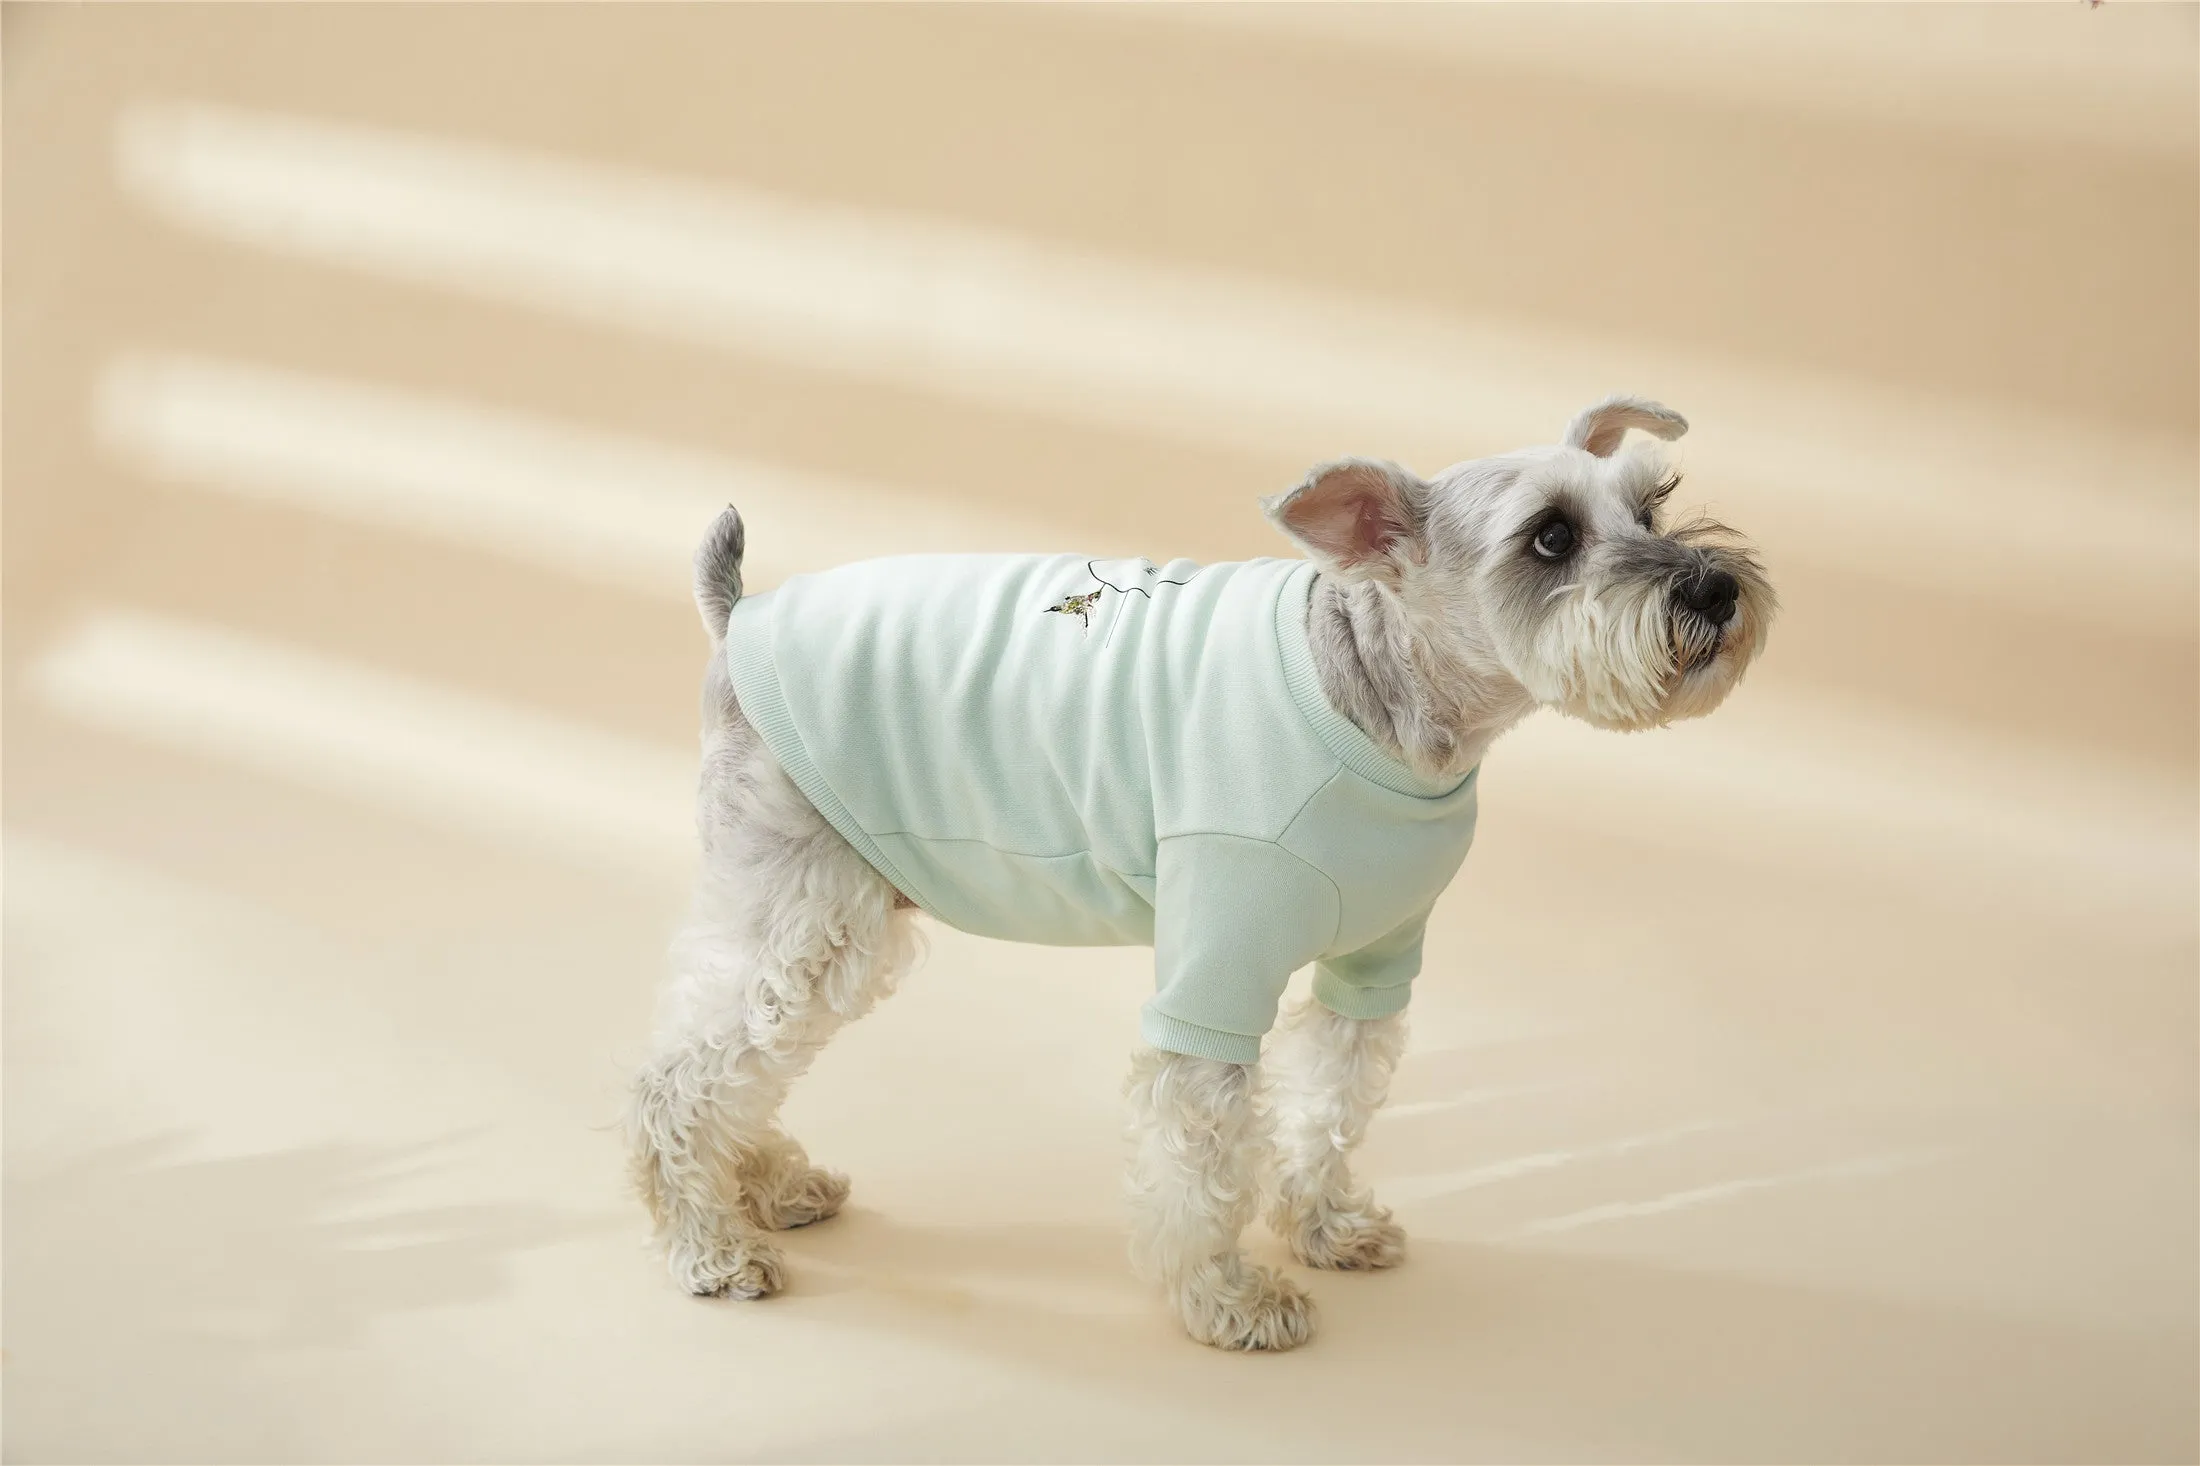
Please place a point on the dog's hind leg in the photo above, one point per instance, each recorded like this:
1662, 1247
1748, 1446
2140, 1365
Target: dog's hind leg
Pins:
1327, 1076
794, 935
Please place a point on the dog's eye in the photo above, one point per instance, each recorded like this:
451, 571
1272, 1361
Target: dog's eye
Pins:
1554, 541
1648, 518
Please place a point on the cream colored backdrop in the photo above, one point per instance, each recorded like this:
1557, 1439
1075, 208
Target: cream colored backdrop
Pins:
1816, 1082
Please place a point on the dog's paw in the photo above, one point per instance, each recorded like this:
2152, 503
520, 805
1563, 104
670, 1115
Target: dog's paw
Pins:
727, 1271
1346, 1241
1232, 1304
811, 1196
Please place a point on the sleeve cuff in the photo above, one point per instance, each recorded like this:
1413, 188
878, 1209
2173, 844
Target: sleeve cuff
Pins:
1175, 1036
1347, 1001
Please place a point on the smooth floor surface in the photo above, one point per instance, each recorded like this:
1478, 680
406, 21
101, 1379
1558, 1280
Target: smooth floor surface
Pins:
1813, 1083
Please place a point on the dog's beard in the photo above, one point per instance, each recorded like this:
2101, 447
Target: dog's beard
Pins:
1624, 657
1700, 685
1695, 642
1605, 654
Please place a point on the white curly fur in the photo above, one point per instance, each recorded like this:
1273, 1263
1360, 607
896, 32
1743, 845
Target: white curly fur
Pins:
793, 935
1198, 1142
1327, 1075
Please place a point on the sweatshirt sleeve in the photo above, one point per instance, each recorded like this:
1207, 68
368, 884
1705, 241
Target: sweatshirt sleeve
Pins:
1375, 981
1233, 919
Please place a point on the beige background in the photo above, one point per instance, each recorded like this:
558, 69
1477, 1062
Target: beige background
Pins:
1813, 1083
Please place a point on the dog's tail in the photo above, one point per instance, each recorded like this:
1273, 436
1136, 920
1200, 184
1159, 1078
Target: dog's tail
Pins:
718, 572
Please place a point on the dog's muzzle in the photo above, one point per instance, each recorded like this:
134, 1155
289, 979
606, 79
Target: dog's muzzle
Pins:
1703, 606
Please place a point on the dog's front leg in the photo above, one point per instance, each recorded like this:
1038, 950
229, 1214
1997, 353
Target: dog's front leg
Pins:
1198, 1145
1327, 1077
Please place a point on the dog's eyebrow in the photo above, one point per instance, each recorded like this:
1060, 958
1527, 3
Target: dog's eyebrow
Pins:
1662, 490
1560, 500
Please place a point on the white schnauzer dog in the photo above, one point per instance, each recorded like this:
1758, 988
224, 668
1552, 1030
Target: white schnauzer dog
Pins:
1250, 768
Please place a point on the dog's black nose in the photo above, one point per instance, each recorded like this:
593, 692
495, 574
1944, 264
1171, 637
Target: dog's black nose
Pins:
1712, 596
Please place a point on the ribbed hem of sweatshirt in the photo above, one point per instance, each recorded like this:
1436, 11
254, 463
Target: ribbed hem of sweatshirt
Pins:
1347, 1001
1178, 1037
1338, 733
756, 683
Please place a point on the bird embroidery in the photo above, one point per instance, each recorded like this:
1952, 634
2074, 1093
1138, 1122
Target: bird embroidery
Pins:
1078, 606
1081, 606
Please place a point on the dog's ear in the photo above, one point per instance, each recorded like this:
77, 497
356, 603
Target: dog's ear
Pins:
1598, 429
1356, 517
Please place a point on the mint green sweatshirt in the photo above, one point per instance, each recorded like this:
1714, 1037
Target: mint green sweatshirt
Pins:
1049, 749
